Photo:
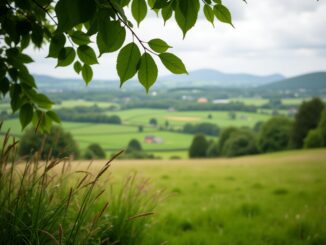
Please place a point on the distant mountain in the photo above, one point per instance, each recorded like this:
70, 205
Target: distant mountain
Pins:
197, 78
310, 81
216, 78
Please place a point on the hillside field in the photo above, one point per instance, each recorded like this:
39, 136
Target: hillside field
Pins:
267, 199
116, 137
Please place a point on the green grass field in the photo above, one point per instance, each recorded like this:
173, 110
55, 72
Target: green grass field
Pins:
179, 118
116, 137
267, 199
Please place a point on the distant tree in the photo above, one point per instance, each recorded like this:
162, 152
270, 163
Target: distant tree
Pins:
56, 143
209, 116
140, 128
94, 151
213, 150
232, 115
307, 118
167, 124
226, 133
198, 147
204, 128
153, 122
240, 143
134, 146
275, 134
313, 139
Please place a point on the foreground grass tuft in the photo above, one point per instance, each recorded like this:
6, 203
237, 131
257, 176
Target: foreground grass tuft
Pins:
47, 203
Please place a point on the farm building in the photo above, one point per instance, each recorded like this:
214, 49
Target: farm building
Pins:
151, 139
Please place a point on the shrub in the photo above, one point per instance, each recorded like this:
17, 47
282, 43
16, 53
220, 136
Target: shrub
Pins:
275, 134
133, 146
198, 147
56, 143
240, 143
153, 122
314, 139
94, 151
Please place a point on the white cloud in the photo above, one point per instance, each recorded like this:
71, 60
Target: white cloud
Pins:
270, 37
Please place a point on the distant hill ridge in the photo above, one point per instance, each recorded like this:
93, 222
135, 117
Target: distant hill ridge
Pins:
217, 78
310, 81
200, 78
196, 78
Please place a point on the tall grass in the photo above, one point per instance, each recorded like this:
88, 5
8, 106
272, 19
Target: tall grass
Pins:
47, 203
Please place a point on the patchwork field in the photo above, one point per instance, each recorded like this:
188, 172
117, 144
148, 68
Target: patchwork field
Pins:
267, 199
174, 144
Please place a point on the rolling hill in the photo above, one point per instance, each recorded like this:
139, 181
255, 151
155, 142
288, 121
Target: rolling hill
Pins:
310, 81
211, 77
197, 78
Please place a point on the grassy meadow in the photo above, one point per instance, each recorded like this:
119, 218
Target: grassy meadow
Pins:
268, 199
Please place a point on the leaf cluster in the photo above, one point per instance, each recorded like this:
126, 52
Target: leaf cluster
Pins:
73, 28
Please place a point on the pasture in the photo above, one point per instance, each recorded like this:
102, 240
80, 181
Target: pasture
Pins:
268, 199
116, 137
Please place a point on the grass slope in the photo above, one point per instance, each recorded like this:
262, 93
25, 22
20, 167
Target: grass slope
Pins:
267, 199
311, 81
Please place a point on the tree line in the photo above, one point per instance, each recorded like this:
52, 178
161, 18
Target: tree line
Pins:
307, 130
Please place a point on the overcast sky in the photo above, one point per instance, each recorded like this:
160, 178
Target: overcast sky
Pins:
284, 36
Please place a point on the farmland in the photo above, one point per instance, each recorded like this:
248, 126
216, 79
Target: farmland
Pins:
267, 199
116, 137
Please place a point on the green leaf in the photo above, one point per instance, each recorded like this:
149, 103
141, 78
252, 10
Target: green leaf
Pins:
66, 56
167, 13
26, 78
209, 13
37, 35
54, 116
186, 14
173, 63
139, 10
158, 45
25, 115
57, 43
110, 37
15, 97
127, 62
80, 38
40, 99
77, 67
147, 73
87, 55
87, 73
223, 14
73, 12
159, 4
4, 86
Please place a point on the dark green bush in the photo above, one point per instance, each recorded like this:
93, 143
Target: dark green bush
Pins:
94, 151
134, 146
198, 147
56, 143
